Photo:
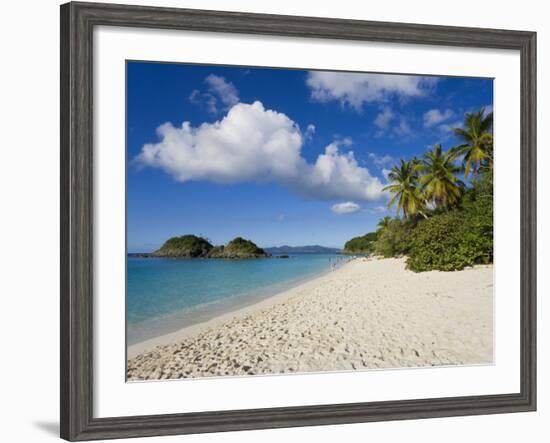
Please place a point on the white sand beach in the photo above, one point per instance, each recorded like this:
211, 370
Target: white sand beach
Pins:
368, 314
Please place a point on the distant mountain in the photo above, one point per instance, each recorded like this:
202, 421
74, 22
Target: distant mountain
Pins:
312, 249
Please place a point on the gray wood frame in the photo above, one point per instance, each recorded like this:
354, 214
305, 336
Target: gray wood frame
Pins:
77, 24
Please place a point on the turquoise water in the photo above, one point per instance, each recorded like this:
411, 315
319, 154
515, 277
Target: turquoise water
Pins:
161, 287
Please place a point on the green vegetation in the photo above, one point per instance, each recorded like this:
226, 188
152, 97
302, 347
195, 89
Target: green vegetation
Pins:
383, 223
455, 239
393, 239
407, 195
441, 222
188, 246
216, 252
361, 245
477, 149
439, 184
191, 246
238, 248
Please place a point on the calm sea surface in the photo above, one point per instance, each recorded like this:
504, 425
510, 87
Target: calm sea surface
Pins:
159, 288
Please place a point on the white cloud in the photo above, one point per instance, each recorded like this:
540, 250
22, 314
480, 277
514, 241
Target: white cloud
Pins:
385, 173
435, 116
221, 94
488, 109
448, 127
204, 99
403, 129
384, 118
345, 208
225, 91
377, 209
381, 160
338, 143
310, 130
252, 143
354, 89
392, 124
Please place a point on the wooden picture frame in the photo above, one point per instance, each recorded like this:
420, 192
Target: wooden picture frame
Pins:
77, 23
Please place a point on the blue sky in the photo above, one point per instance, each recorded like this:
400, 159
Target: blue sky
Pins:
276, 156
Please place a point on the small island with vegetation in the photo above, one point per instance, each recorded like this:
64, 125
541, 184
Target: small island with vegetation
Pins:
193, 246
238, 248
185, 246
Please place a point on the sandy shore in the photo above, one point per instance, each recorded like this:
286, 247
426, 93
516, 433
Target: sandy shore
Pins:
368, 314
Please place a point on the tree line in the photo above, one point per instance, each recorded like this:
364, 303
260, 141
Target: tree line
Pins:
444, 204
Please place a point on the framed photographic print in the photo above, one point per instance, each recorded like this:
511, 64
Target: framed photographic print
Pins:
272, 221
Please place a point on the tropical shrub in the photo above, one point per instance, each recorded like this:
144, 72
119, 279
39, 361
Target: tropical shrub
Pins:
361, 245
394, 239
436, 243
456, 239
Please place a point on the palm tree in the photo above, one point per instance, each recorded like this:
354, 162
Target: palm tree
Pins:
477, 134
405, 190
384, 223
438, 181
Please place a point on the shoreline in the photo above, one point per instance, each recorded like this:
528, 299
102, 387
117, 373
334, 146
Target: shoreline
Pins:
251, 304
368, 314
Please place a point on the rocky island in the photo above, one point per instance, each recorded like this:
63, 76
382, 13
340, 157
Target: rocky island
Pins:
192, 246
238, 248
186, 246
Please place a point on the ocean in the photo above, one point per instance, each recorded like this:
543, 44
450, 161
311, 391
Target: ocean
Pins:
165, 294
